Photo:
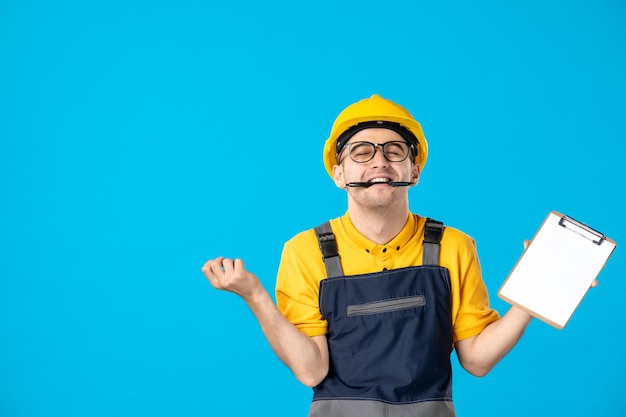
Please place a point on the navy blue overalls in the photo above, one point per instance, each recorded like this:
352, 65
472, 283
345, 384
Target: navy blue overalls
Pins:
389, 337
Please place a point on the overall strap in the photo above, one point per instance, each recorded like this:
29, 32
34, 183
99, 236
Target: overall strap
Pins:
433, 231
328, 246
432, 236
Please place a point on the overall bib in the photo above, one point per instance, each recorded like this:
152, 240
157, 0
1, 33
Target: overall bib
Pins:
389, 337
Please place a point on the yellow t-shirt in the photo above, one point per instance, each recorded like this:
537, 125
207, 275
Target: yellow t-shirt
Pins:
302, 268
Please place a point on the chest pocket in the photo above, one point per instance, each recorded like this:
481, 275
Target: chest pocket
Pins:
386, 306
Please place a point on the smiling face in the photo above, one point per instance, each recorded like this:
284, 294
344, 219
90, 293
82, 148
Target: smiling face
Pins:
378, 170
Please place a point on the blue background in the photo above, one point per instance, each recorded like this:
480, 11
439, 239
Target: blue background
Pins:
139, 139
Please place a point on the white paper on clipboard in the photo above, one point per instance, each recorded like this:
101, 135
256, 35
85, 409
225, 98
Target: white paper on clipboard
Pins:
553, 275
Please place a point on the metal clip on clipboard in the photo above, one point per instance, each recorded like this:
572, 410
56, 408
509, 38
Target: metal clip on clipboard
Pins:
582, 229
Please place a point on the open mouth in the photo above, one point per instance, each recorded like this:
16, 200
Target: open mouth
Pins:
380, 180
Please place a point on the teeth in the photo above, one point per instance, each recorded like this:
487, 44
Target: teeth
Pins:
377, 180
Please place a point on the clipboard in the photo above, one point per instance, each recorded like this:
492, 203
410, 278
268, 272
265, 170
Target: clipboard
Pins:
554, 273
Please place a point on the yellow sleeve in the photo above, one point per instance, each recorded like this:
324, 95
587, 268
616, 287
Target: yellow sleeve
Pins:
297, 285
471, 311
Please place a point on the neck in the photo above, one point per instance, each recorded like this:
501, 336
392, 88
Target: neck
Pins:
379, 225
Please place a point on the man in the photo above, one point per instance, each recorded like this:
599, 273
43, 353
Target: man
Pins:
370, 305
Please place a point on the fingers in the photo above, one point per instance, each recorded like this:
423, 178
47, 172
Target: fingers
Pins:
223, 265
213, 271
238, 264
210, 266
228, 265
220, 271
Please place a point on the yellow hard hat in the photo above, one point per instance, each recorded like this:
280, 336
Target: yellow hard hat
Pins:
374, 112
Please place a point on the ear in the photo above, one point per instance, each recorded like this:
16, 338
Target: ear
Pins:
340, 182
416, 173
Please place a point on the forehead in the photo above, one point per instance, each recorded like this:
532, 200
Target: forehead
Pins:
376, 135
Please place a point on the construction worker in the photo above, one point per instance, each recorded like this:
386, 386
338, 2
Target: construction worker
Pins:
371, 304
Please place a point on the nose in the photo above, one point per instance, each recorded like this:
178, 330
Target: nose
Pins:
379, 158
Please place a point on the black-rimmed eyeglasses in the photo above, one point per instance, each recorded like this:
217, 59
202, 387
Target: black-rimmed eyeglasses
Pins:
394, 151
